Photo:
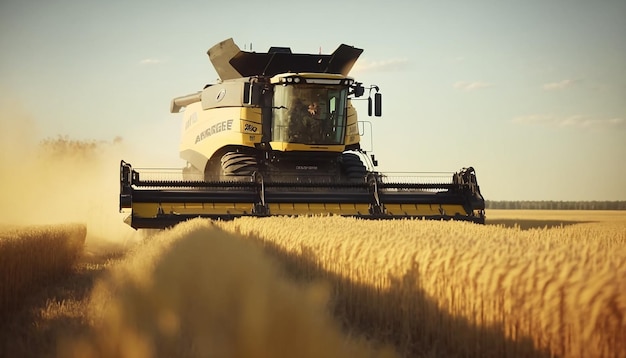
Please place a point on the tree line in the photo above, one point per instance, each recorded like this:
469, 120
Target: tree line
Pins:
555, 205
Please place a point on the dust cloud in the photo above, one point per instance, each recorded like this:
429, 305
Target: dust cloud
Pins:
60, 180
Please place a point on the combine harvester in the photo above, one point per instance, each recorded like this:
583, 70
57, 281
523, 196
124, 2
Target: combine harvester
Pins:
278, 135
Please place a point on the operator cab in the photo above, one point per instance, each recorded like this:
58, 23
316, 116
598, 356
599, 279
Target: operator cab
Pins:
310, 110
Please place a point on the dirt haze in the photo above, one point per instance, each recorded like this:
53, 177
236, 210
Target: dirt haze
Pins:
60, 180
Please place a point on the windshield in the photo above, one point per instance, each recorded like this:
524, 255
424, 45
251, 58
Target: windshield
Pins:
309, 114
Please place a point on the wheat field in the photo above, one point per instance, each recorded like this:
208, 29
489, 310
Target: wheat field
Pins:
458, 289
198, 291
527, 284
30, 255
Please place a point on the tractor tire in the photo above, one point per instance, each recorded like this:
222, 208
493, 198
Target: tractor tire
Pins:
235, 164
352, 167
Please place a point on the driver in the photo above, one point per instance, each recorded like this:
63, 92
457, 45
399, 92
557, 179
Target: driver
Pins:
313, 109
304, 124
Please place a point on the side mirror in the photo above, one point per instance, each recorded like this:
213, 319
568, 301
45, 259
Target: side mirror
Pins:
378, 104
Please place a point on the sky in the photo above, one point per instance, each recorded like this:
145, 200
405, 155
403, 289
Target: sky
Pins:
532, 94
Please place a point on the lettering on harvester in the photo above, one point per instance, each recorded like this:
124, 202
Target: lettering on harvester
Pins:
216, 128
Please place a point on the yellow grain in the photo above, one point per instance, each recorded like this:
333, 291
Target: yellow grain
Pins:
462, 289
197, 291
30, 255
